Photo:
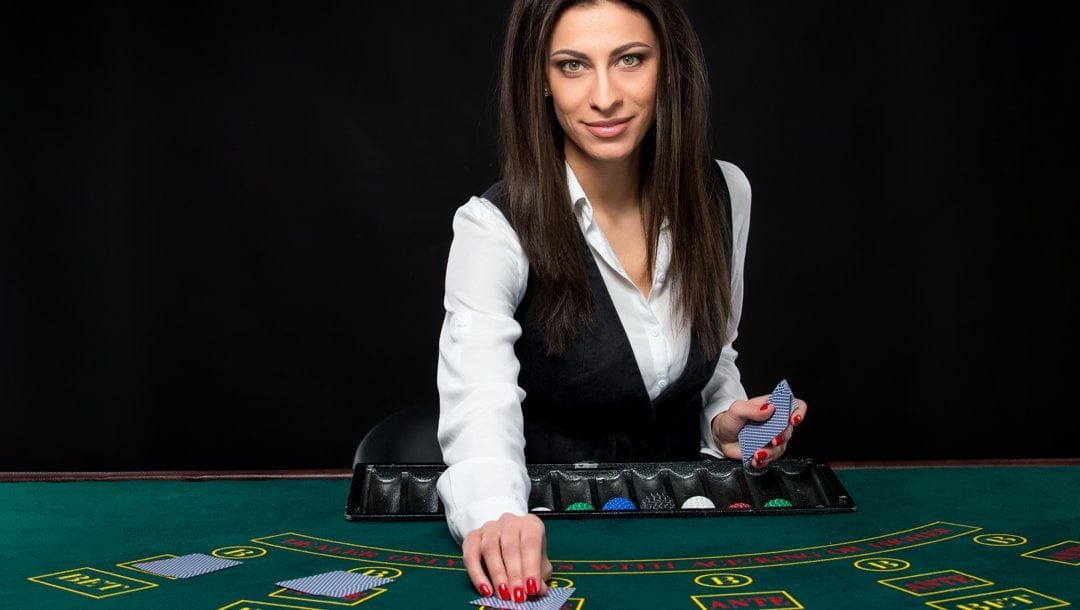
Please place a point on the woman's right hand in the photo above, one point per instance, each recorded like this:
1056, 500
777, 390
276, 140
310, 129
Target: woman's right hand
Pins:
508, 557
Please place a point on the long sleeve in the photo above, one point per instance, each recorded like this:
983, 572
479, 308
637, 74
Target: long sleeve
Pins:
480, 423
725, 386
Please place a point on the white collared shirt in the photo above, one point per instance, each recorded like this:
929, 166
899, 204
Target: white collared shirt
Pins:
480, 422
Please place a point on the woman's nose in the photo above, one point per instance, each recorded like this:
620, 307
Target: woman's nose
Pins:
605, 95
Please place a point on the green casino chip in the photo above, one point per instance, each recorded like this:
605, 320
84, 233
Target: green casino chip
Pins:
580, 506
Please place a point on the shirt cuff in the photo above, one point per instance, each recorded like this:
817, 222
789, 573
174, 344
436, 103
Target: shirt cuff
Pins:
478, 490
708, 413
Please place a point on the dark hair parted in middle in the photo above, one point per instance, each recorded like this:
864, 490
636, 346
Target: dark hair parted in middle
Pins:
677, 177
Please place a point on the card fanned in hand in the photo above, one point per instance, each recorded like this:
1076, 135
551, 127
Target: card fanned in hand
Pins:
756, 435
186, 566
553, 600
338, 583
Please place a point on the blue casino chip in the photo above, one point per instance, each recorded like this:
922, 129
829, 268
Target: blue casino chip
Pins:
619, 503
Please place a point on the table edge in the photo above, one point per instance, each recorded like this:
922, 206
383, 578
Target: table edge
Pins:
345, 473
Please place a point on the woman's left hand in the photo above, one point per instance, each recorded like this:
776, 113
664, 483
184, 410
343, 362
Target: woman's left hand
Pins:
726, 427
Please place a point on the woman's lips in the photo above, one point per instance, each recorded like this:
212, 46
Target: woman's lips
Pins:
608, 129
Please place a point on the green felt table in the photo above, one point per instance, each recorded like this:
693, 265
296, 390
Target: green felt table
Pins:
961, 537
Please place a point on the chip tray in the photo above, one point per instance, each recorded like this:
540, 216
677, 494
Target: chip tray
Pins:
404, 492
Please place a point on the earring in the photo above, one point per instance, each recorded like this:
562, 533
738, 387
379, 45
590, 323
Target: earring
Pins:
547, 92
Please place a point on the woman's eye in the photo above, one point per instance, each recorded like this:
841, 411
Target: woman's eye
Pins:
629, 60
571, 65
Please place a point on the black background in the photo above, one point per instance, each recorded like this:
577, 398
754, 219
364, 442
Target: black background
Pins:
223, 226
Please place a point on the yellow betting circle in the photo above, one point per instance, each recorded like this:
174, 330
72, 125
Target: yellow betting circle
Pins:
238, 552
881, 564
378, 571
999, 540
723, 581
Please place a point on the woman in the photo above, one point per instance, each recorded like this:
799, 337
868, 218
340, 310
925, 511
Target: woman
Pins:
593, 295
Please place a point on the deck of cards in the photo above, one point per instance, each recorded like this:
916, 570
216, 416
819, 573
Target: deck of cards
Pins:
758, 434
186, 566
338, 583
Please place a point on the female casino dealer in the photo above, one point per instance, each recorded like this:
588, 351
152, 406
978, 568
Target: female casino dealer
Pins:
593, 294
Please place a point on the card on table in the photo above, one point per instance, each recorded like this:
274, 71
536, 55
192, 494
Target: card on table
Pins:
186, 566
338, 583
553, 600
756, 435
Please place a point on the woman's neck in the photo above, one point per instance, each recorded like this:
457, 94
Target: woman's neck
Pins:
612, 186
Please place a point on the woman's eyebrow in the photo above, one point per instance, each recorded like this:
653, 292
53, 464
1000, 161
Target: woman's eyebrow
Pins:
617, 51
571, 53
630, 45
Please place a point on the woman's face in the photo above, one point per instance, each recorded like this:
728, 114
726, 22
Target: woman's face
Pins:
602, 70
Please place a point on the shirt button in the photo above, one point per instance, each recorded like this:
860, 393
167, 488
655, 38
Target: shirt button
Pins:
662, 383
656, 331
461, 323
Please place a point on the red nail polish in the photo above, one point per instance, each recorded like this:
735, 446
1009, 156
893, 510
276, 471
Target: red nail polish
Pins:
530, 587
796, 419
485, 590
765, 407
778, 441
519, 594
761, 455
504, 592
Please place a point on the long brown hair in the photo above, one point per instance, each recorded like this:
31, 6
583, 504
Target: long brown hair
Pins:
679, 182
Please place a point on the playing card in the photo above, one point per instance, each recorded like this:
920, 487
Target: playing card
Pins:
554, 600
756, 435
338, 583
186, 566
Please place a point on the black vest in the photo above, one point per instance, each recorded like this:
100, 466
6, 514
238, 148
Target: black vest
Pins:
590, 403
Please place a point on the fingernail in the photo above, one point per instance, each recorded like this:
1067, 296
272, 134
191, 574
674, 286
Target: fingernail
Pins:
761, 455
778, 441
796, 419
519, 594
485, 590
504, 592
530, 587
765, 407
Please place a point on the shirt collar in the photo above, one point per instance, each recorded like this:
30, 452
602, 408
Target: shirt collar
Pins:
576, 192
579, 202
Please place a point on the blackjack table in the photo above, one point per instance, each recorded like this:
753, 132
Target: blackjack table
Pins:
947, 536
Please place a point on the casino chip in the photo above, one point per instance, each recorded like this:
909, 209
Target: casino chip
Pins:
657, 501
581, 506
619, 503
540, 509
739, 505
698, 502
777, 503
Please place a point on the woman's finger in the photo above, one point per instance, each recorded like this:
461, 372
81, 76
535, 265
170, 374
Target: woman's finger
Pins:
510, 546
532, 555
798, 414
474, 565
491, 551
545, 568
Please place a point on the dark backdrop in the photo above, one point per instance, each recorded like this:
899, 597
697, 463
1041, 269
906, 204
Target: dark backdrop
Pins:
223, 226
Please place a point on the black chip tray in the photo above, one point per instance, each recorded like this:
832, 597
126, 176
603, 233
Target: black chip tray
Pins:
404, 492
